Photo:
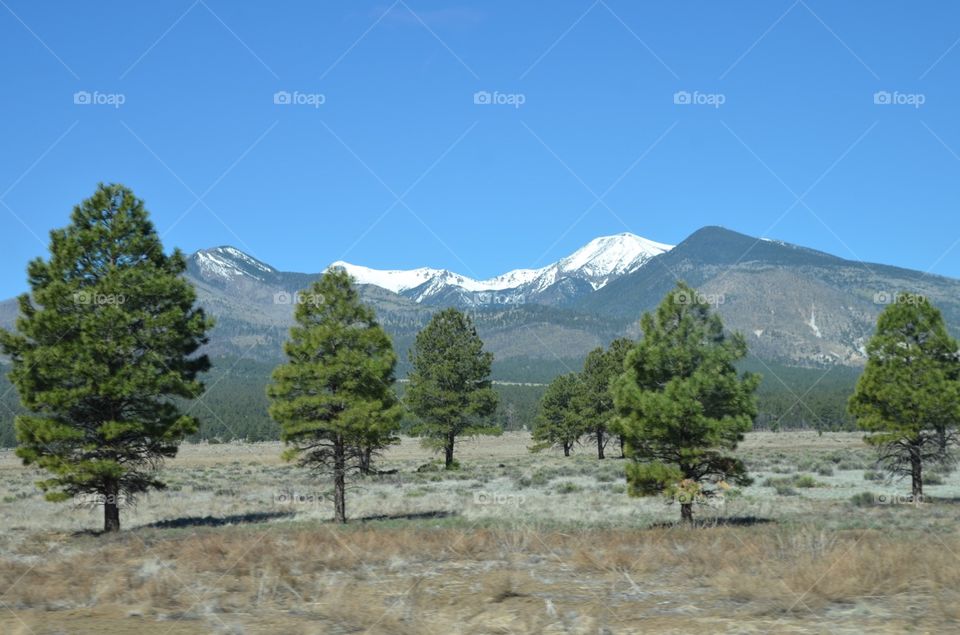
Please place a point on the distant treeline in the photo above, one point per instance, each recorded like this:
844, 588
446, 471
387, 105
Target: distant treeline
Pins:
235, 404
807, 398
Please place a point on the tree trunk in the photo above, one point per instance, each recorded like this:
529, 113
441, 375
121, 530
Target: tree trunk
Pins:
339, 482
448, 452
566, 449
942, 441
600, 443
686, 513
111, 508
623, 453
365, 461
916, 473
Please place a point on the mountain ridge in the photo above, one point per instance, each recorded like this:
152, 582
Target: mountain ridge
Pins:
796, 306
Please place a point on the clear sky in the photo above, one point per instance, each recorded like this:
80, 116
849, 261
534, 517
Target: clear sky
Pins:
399, 167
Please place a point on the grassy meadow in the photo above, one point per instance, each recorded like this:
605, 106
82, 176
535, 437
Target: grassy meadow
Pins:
512, 542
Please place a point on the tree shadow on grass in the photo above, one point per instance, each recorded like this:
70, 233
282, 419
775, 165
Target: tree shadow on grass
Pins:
416, 516
943, 500
215, 521
708, 523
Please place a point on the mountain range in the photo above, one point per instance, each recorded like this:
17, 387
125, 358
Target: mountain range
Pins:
796, 306
589, 268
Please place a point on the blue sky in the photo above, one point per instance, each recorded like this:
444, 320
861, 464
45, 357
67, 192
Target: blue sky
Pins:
399, 167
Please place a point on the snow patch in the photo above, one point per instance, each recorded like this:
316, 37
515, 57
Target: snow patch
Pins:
812, 322
598, 262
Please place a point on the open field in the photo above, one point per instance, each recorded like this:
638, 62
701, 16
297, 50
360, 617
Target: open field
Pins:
510, 543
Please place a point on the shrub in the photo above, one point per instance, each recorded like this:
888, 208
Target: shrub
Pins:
863, 499
568, 488
785, 490
785, 484
805, 481
540, 478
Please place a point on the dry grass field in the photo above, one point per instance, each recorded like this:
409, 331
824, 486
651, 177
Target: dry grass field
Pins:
511, 543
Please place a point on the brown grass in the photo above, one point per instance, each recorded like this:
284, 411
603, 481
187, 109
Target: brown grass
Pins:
587, 562
402, 580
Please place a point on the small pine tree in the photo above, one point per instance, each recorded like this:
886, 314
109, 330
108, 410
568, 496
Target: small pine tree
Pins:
595, 399
908, 397
334, 398
558, 422
102, 344
450, 390
682, 404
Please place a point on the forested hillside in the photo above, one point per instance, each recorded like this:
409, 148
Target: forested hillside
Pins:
235, 403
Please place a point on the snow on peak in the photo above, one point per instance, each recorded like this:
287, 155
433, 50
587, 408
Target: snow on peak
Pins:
396, 280
598, 262
609, 256
230, 262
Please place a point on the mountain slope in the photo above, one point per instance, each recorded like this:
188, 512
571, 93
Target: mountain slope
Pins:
253, 303
794, 304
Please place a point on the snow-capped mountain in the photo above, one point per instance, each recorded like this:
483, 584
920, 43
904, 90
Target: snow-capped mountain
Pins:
589, 268
400, 280
227, 263
601, 260
793, 303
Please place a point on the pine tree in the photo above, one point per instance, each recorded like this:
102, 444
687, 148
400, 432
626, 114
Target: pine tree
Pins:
334, 397
595, 399
450, 390
103, 342
908, 398
681, 403
558, 421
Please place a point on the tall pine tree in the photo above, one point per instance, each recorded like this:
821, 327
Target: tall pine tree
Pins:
682, 405
334, 398
908, 398
450, 390
595, 399
103, 342
558, 421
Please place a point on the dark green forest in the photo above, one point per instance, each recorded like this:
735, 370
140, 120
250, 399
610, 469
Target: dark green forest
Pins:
235, 403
